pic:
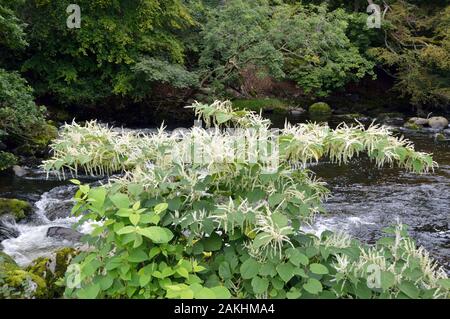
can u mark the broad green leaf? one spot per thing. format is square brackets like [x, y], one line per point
[409, 289]
[387, 280]
[285, 271]
[158, 235]
[126, 230]
[120, 200]
[221, 292]
[313, 286]
[318, 269]
[249, 268]
[134, 218]
[160, 208]
[89, 292]
[259, 285]
[212, 243]
[205, 293]
[137, 256]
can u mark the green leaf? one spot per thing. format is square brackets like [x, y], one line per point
[261, 239]
[205, 293]
[259, 285]
[158, 235]
[222, 117]
[293, 293]
[137, 256]
[387, 280]
[89, 292]
[275, 199]
[120, 200]
[160, 208]
[212, 243]
[182, 272]
[221, 292]
[285, 271]
[318, 269]
[134, 218]
[409, 289]
[98, 195]
[313, 286]
[224, 270]
[249, 268]
[444, 283]
[126, 230]
[75, 181]
[296, 257]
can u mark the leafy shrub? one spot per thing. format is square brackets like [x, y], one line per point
[21, 120]
[230, 226]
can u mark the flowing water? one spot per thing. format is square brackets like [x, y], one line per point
[365, 200]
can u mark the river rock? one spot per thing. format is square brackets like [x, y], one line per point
[19, 171]
[297, 111]
[64, 233]
[438, 122]
[418, 121]
[7, 230]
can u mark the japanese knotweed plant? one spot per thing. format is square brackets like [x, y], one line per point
[217, 212]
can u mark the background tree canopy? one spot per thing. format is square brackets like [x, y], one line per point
[125, 50]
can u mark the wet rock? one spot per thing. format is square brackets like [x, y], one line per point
[395, 119]
[439, 137]
[57, 203]
[418, 121]
[19, 171]
[412, 126]
[7, 230]
[19, 209]
[64, 233]
[297, 111]
[438, 122]
[352, 117]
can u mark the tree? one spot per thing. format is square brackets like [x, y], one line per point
[307, 44]
[114, 53]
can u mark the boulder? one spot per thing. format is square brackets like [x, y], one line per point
[438, 122]
[64, 233]
[19, 171]
[418, 121]
[296, 111]
[319, 108]
[19, 209]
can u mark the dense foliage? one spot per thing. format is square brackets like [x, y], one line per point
[21, 120]
[216, 213]
[116, 52]
[125, 50]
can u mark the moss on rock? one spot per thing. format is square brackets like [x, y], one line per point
[19, 283]
[19, 209]
[319, 108]
[7, 160]
[24, 284]
[52, 269]
[6, 262]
